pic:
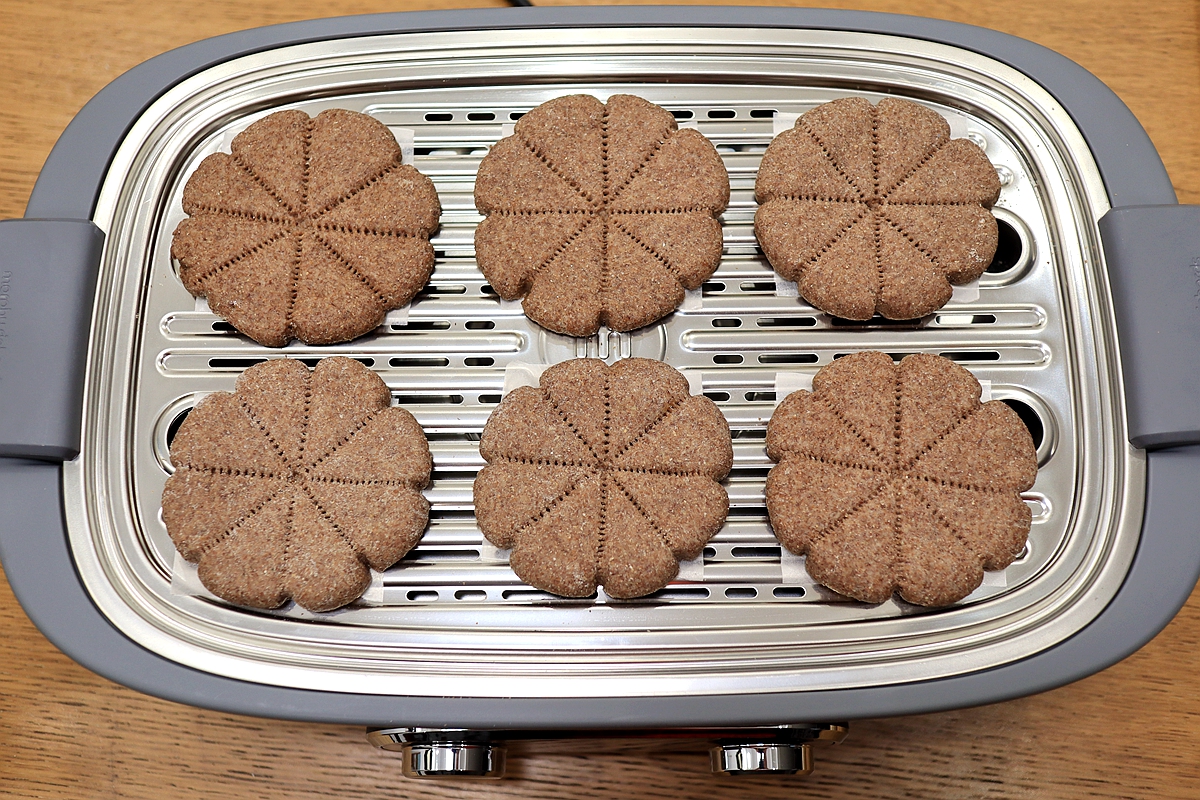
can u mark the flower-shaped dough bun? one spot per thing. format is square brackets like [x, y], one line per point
[875, 208]
[296, 483]
[603, 475]
[894, 477]
[309, 229]
[599, 213]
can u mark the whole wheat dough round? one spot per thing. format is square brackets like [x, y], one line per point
[308, 229]
[603, 476]
[297, 484]
[875, 209]
[895, 478]
[599, 213]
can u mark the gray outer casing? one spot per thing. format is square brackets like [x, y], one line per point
[38, 561]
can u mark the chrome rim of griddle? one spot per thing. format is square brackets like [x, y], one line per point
[451, 618]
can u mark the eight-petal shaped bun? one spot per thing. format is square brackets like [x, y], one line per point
[894, 477]
[603, 475]
[296, 483]
[875, 208]
[599, 213]
[309, 228]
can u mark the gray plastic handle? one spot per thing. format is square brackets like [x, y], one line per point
[47, 279]
[1153, 255]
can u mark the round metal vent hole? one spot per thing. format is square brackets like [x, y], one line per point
[763, 113]
[788, 592]
[741, 592]
[173, 428]
[717, 397]
[1009, 248]
[439, 116]
[727, 358]
[481, 116]
[682, 113]
[1031, 419]
[722, 113]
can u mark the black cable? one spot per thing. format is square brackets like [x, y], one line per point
[521, 3]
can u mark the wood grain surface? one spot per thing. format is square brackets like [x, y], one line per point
[1130, 731]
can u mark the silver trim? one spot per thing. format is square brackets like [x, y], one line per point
[1051, 335]
[769, 758]
[453, 760]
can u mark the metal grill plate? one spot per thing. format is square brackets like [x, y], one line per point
[747, 618]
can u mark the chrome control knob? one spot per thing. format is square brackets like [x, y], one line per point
[429, 753]
[453, 760]
[773, 758]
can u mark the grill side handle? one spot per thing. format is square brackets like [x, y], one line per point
[48, 273]
[1153, 256]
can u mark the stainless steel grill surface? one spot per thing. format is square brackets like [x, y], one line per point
[746, 619]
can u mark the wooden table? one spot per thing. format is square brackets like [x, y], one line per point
[1130, 731]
